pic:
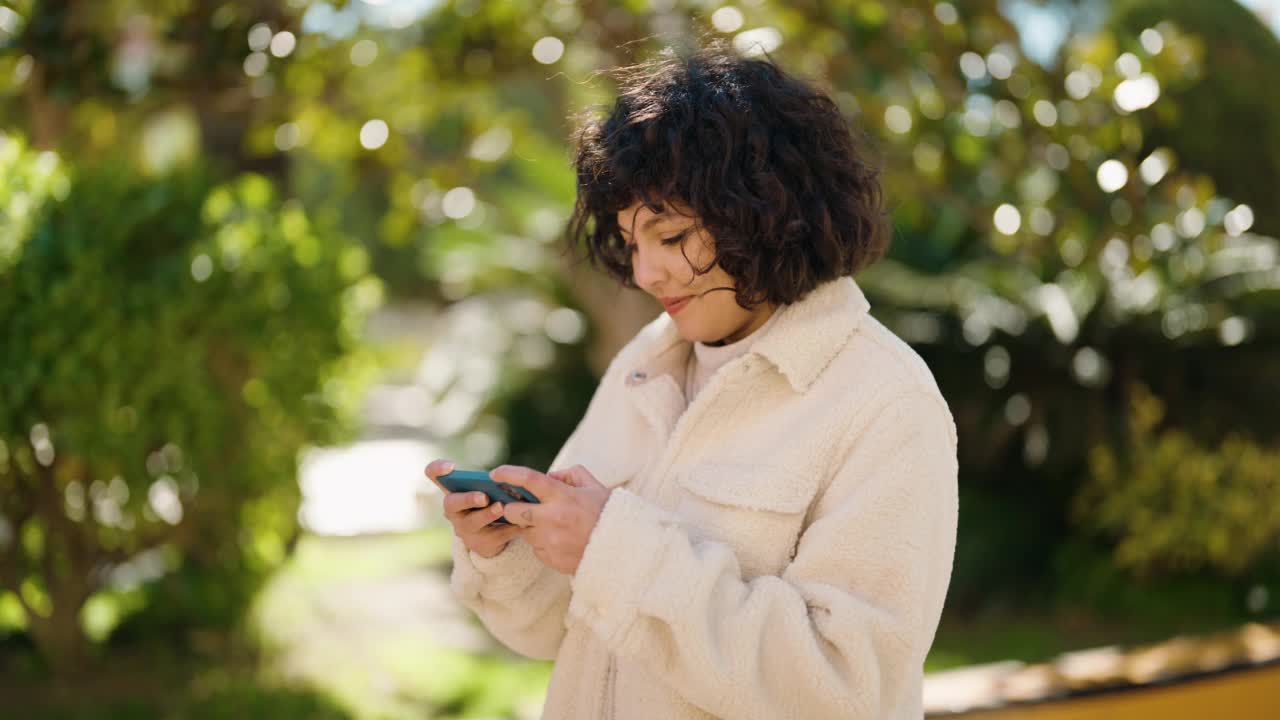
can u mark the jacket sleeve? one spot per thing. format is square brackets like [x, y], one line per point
[521, 601]
[842, 632]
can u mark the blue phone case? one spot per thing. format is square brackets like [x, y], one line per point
[473, 480]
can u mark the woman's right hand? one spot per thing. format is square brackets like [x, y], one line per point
[471, 513]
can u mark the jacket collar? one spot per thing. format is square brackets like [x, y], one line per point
[800, 344]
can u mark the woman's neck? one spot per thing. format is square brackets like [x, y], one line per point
[755, 323]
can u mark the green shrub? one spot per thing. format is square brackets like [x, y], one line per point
[167, 346]
[1174, 504]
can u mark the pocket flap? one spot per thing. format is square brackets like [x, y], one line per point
[753, 486]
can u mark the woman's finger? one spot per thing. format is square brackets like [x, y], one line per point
[502, 533]
[457, 502]
[495, 540]
[436, 468]
[542, 487]
[524, 514]
[476, 520]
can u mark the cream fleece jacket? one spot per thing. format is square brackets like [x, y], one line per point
[706, 359]
[781, 548]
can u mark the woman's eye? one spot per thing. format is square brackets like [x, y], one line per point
[631, 247]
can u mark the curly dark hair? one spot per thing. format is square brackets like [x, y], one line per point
[774, 171]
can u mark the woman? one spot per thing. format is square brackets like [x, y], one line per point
[756, 516]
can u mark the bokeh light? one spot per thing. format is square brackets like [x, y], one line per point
[363, 53]
[1007, 219]
[373, 134]
[757, 40]
[458, 203]
[548, 50]
[1112, 175]
[897, 119]
[283, 43]
[255, 64]
[259, 37]
[727, 19]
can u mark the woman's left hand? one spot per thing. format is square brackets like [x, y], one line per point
[560, 524]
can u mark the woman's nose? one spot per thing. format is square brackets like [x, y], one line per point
[645, 270]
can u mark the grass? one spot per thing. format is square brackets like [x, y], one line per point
[372, 621]
[360, 628]
[365, 628]
[1037, 634]
[156, 683]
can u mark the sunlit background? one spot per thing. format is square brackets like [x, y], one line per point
[261, 261]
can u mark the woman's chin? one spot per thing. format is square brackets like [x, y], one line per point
[686, 329]
[691, 333]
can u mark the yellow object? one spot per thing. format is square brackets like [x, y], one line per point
[1251, 693]
[1230, 674]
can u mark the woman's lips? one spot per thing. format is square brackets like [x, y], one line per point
[677, 306]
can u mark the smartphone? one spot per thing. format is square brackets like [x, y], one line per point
[473, 480]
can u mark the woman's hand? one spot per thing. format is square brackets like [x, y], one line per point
[470, 514]
[559, 526]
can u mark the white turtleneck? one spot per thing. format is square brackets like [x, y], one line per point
[706, 359]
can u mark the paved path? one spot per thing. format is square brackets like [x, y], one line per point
[391, 640]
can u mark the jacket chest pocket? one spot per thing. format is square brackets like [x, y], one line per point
[758, 510]
[612, 463]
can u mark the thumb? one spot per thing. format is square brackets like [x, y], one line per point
[564, 475]
[576, 476]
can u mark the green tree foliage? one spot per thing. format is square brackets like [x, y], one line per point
[1222, 120]
[1064, 234]
[168, 345]
[1048, 257]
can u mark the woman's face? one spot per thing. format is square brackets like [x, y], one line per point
[659, 268]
